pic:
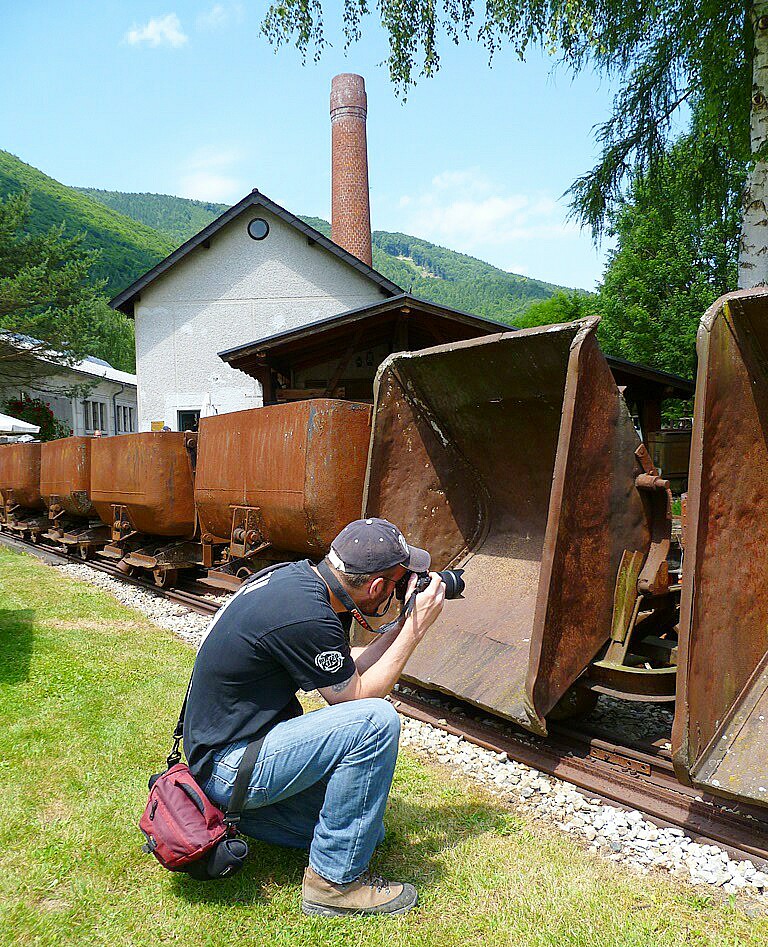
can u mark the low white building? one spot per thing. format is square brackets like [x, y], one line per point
[255, 271]
[108, 405]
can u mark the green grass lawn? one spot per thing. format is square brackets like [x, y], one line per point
[88, 693]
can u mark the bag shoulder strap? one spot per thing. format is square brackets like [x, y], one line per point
[242, 780]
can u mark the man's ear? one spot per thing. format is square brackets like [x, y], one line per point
[376, 586]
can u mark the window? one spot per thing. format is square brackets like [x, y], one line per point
[124, 419]
[258, 228]
[95, 413]
[189, 420]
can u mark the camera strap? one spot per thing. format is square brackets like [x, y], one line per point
[346, 600]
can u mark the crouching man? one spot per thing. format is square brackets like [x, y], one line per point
[320, 781]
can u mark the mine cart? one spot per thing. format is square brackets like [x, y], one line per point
[142, 489]
[278, 482]
[514, 457]
[65, 486]
[720, 733]
[20, 490]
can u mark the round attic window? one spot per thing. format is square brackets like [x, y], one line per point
[258, 228]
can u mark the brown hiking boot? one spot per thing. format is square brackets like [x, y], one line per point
[367, 895]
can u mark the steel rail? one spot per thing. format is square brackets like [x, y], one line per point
[49, 552]
[616, 774]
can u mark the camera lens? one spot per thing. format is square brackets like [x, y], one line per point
[454, 582]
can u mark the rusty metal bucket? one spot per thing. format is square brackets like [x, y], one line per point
[513, 457]
[143, 483]
[65, 476]
[287, 476]
[20, 475]
[720, 732]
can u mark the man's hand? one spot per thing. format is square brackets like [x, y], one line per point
[426, 607]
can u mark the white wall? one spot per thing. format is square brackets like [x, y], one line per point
[235, 292]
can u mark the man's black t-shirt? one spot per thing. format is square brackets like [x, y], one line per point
[277, 634]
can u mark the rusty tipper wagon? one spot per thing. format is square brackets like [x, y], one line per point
[514, 457]
[142, 489]
[278, 481]
[20, 489]
[720, 736]
[65, 486]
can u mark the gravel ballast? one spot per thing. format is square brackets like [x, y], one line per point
[622, 836]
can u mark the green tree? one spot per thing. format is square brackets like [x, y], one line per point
[49, 306]
[677, 237]
[664, 53]
[562, 307]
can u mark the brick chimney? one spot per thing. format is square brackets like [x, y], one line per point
[350, 210]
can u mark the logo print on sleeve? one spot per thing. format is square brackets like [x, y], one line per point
[329, 661]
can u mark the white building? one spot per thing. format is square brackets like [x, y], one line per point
[109, 405]
[255, 271]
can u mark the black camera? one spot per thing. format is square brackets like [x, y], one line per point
[452, 578]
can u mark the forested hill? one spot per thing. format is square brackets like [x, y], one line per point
[420, 267]
[176, 217]
[128, 248]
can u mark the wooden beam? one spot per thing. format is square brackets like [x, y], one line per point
[343, 362]
[400, 339]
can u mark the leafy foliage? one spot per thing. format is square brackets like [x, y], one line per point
[49, 303]
[176, 217]
[36, 411]
[678, 244]
[562, 307]
[677, 250]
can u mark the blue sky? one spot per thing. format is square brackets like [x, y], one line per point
[188, 98]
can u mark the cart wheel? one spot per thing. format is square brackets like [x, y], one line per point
[165, 578]
[34, 538]
[85, 553]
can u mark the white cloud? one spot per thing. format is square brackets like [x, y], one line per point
[162, 30]
[219, 16]
[466, 209]
[208, 175]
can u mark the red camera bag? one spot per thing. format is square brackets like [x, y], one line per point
[180, 823]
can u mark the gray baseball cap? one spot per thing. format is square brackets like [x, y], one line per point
[375, 545]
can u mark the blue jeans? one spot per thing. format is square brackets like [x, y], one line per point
[321, 782]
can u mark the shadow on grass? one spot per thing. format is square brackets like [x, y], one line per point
[417, 837]
[17, 635]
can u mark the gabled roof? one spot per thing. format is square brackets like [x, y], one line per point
[124, 301]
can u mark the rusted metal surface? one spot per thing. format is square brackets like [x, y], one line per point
[65, 475]
[512, 457]
[719, 736]
[150, 477]
[288, 475]
[20, 475]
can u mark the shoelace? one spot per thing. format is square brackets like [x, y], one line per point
[374, 881]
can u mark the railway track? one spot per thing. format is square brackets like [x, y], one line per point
[188, 595]
[633, 776]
